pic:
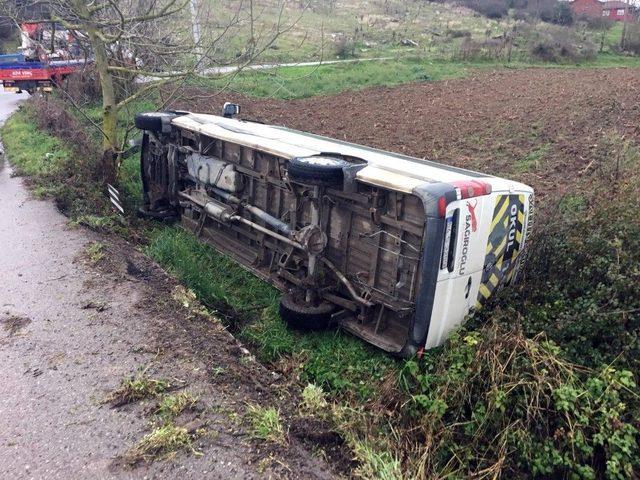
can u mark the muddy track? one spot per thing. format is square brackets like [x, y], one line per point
[540, 126]
[74, 324]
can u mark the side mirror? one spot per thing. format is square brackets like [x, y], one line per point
[229, 110]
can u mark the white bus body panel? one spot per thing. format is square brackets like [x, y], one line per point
[464, 289]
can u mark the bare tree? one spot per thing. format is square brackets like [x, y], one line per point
[140, 45]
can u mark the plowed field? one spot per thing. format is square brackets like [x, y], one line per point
[545, 127]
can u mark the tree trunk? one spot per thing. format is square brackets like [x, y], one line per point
[109, 101]
[109, 107]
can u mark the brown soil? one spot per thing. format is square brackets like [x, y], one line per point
[489, 122]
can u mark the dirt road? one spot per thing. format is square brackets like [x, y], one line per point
[72, 327]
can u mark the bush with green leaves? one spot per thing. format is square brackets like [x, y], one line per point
[582, 276]
[496, 403]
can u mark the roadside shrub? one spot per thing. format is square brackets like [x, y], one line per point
[344, 47]
[520, 14]
[495, 403]
[582, 276]
[596, 23]
[57, 166]
[542, 9]
[546, 384]
[559, 44]
[491, 49]
[547, 51]
[489, 8]
[53, 117]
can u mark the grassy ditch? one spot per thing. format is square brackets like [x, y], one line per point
[35, 154]
[58, 169]
[249, 307]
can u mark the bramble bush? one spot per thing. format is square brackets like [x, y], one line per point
[582, 276]
[545, 383]
[496, 403]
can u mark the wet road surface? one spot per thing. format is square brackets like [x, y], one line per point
[55, 359]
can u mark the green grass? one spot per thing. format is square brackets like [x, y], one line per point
[309, 81]
[375, 463]
[265, 423]
[334, 360]
[614, 34]
[170, 406]
[533, 160]
[33, 152]
[95, 252]
[136, 388]
[314, 400]
[162, 442]
[56, 171]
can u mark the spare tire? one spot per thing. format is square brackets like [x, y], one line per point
[156, 122]
[301, 315]
[318, 170]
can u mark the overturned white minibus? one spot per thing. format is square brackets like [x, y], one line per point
[394, 249]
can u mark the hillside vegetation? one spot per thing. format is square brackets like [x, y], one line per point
[506, 30]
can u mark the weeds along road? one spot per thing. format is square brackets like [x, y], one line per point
[71, 331]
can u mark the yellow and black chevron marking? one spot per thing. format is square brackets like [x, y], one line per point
[503, 246]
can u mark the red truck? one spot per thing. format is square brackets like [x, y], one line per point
[48, 54]
[18, 75]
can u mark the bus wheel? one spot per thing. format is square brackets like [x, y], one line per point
[305, 316]
[156, 122]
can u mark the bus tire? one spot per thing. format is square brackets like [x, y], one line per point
[156, 122]
[167, 215]
[305, 316]
[318, 171]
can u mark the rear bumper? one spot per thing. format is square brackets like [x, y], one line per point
[433, 238]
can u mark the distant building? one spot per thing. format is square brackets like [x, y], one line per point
[615, 10]
[619, 11]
